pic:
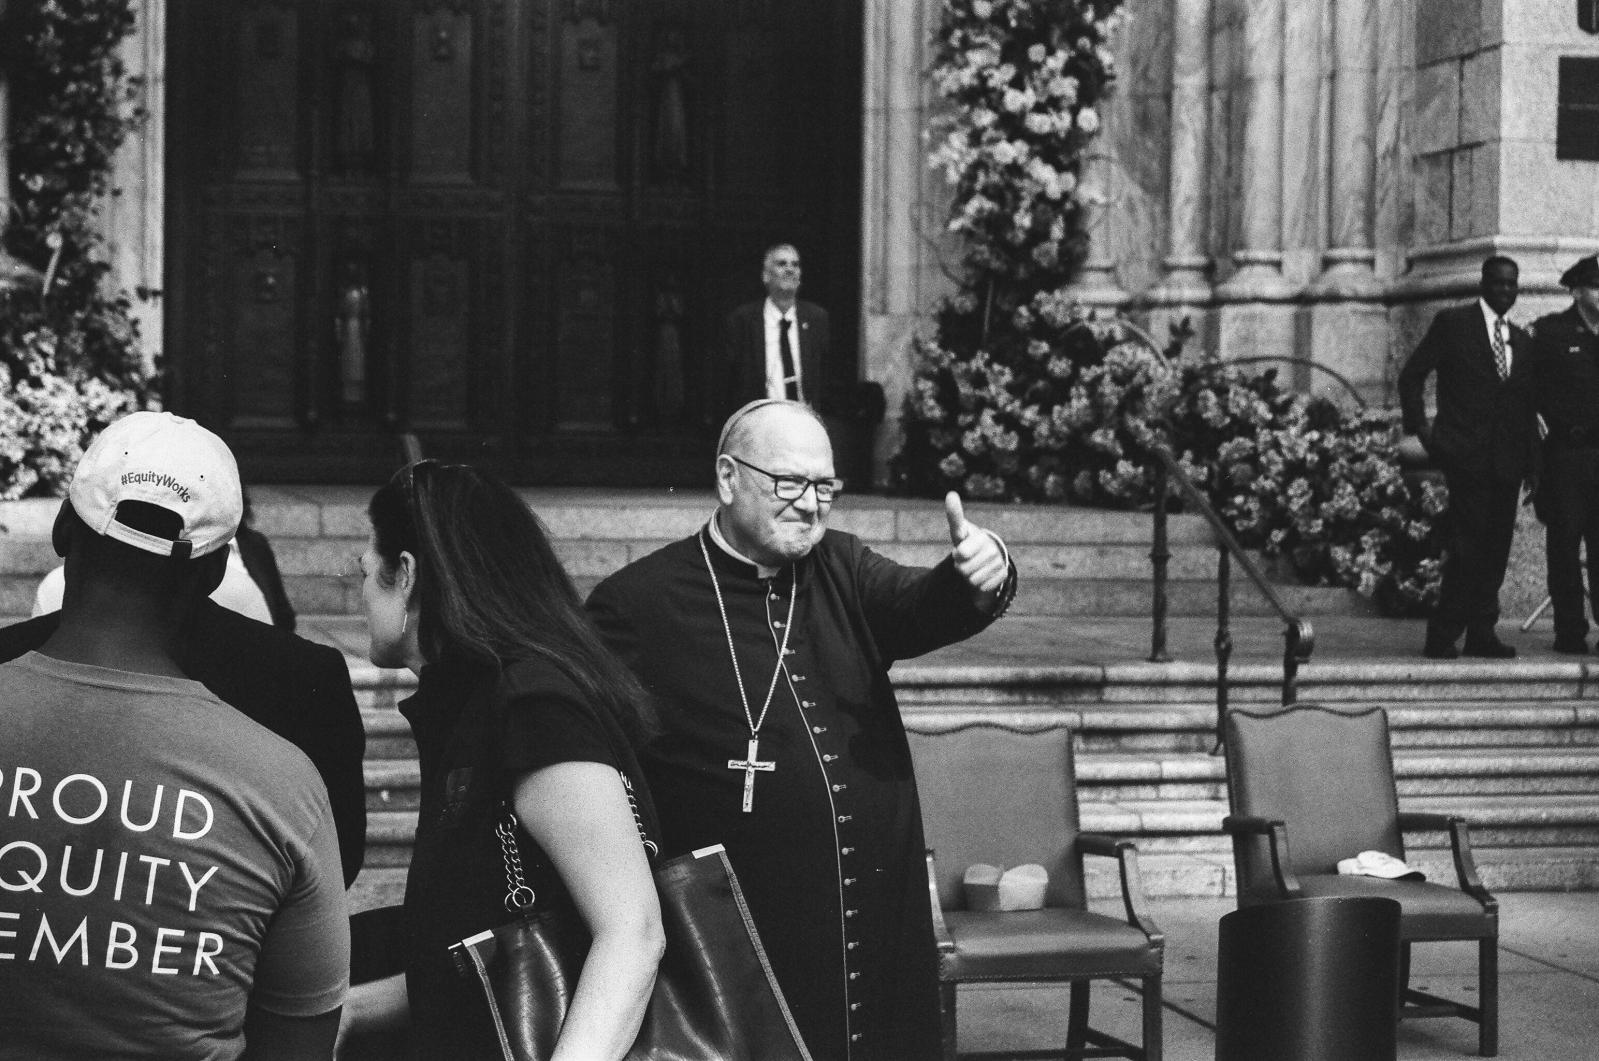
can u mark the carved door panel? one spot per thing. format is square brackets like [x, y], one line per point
[511, 228]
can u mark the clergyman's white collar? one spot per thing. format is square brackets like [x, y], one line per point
[727, 547]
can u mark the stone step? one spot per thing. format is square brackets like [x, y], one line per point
[1072, 561]
[1204, 874]
[1134, 818]
[392, 783]
[1173, 875]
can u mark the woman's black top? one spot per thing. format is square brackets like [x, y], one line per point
[476, 731]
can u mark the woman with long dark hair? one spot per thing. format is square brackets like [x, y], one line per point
[517, 701]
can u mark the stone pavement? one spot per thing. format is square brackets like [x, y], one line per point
[1548, 987]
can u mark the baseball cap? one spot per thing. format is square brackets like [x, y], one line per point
[1378, 864]
[167, 461]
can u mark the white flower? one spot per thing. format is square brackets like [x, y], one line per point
[1003, 153]
[1065, 88]
[1088, 120]
[982, 8]
[982, 117]
[1036, 53]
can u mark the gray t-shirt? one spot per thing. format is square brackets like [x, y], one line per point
[164, 862]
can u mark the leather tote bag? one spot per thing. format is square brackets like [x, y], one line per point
[715, 996]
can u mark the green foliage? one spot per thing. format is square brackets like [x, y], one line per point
[69, 356]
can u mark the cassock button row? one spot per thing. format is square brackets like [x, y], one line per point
[851, 913]
[842, 818]
[856, 1037]
[777, 623]
[848, 881]
[846, 850]
[854, 976]
[840, 787]
[829, 757]
[851, 945]
[818, 729]
[853, 1006]
[807, 703]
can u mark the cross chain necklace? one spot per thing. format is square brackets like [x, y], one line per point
[751, 763]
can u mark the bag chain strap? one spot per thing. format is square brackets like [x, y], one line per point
[518, 896]
[638, 820]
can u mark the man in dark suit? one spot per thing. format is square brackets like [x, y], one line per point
[295, 688]
[1565, 382]
[1484, 439]
[777, 347]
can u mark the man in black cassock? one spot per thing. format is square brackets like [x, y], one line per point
[766, 640]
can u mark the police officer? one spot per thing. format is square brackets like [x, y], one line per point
[1565, 370]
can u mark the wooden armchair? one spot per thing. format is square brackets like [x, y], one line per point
[1325, 779]
[1008, 796]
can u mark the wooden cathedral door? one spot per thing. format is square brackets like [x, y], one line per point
[511, 228]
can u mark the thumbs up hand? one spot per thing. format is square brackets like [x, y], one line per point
[977, 555]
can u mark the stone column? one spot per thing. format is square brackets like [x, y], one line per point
[1096, 286]
[134, 217]
[902, 205]
[1348, 261]
[14, 274]
[1255, 317]
[1184, 290]
[1348, 322]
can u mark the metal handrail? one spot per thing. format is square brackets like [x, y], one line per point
[1298, 635]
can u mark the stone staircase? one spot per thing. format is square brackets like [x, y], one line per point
[1513, 750]
[1072, 561]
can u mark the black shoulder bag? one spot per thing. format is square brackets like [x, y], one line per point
[715, 997]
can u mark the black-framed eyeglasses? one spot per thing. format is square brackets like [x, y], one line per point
[793, 487]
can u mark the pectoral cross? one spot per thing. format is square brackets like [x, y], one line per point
[749, 764]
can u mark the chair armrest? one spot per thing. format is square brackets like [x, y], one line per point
[1276, 834]
[1424, 819]
[941, 936]
[1460, 846]
[1247, 825]
[1125, 852]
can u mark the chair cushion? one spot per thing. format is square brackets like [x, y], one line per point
[1051, 944]
[1428, 911]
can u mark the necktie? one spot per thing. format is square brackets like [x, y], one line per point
[1499, 348]
[786, 350]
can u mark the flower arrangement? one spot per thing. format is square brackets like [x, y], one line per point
[1296, 477]
[69, 354]
[1023, 78]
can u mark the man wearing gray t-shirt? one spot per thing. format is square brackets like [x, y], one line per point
[169, 870]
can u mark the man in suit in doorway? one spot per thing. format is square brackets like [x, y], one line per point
[777, 347]
[1484, 439]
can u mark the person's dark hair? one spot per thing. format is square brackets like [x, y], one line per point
[1494, 261]
[491, 589]
[109, 561]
